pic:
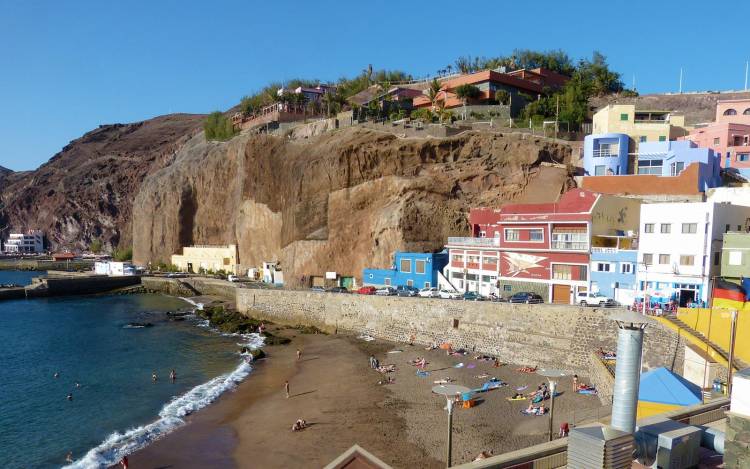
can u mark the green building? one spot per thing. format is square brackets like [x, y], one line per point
[735, 256]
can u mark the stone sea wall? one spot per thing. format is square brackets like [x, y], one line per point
[552, 336]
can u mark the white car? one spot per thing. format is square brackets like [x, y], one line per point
[385, 291]
[594, 299]
[449, 294]
[429, 292]
[233, 278]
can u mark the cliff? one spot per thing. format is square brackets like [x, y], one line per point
[86, 190]
[340, 201]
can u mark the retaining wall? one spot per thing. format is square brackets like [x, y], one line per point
[553, 336]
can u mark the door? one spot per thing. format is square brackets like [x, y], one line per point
[686, 297]
[347, 282]
[561, 294]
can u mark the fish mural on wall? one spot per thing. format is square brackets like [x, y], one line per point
[521, 263]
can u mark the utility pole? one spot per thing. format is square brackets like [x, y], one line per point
[680, 80]
[746, 65]
[732, 336]
[557, 114]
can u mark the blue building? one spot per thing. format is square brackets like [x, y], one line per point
[605, 154]
[671, 158]
[413, 269]
[614, 266]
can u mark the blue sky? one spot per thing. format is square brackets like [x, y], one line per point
[67, 67]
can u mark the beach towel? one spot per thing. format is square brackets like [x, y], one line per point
[522, 388]
[395, 351]
[471, 365]
[422, 374]
[458, 365]
[522, 398]
[532, 413]
[482, 376]
[587, 391]
[366, 338]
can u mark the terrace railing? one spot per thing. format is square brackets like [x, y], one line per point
[479, 242]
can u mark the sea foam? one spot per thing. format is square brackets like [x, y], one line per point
[171, 416]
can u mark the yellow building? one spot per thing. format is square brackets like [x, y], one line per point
[204, 258]
[639, 125]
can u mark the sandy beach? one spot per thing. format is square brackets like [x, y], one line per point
[333, 389]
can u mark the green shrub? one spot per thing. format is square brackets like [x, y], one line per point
[122, 254]
[218, 127]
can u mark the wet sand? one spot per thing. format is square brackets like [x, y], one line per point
[334, 390]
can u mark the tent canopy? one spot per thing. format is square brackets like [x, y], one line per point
[664, 387]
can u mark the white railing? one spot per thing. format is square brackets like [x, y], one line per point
[604, 250]
[467, 241]
[570, 245]
[606, 154]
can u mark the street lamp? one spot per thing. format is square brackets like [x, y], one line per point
[552, 387]
[449, 391]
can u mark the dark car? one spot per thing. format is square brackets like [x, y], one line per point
[338, 290]
[526, 297]
[405, 290]
[472, 296]
[318, 289]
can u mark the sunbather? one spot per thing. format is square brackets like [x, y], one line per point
[527, 369]
[299, 425]
[518, 395]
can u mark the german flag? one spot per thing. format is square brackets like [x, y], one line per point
[728, 295]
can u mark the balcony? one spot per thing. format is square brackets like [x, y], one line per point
[570, 245]
[605, 153]
[478, 242]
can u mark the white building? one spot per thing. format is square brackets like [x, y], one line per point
[114, 269]
[680, 246]
[208, 258]
[30, 242]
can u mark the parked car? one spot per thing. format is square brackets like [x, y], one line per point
[177, 275]
[429, 292]
[472, 296]
[385, 291]
[405, 290]
[368, 290]
[449, 294]
[338, 290]
[594, 299]
[318, 289]
[233, 278]
[526, 297]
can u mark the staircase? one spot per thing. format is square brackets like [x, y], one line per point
[736, 363]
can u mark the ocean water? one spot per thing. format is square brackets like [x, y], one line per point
[19, 277]
[117, 408]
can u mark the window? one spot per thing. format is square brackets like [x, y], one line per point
[387, 282]
[507, 288]
[746, 112]
[676, 168]
[623, 117]
[486, 279]
[730, 112]
[666, 228]
[427, 285]
[735, 257]
[562, 272]
[689, 228]
[626, 268]
[457, 258]
[726, 228]
[472, 259]
[406, 266]
[471, 277]
[419, 266]
[687, 260]
[603, 266]
[663, 259]
[648, 228]
[482, 234]
[410, 283]
[717, 258]
[744, 157]
[662, 138]
[642, 138]
[456, 274]
[717, 141]
[490, 260]
[569, 238]
[600, 170]
[536, 235]
[512, 235]
[650, 166]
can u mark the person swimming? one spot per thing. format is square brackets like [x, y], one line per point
[154, 377]
[56, 375]
[69, 457]
[70, 396]
[78, 385]
[172, 375]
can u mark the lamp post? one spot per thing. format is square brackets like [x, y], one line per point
[552, 386]
[449, 391]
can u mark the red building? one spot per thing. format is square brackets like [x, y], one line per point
[543, 248]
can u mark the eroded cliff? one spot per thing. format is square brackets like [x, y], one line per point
[339, 202]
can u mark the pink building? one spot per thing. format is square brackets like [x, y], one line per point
[729, 135]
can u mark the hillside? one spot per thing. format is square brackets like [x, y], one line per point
[86, 190]
[341, 201]
[697, 107]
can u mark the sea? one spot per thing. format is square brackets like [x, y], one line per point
[104, 355]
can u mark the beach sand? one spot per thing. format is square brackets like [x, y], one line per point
[333, 389]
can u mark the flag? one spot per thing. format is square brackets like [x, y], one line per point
[728, 295]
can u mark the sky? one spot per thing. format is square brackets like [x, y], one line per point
[67, 67]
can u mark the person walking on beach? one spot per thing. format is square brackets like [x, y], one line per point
[299, 354]
[124, 462]
[286, 389]
[372, 361]
[575, 383]
[172, 375]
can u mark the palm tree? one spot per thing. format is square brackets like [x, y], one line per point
[449, 67]
[432, 92]
[465, 92]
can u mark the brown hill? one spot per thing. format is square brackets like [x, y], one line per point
[86, 190]
[340, 201]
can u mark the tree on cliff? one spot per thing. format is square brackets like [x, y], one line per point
[466, 92]
[218, 127]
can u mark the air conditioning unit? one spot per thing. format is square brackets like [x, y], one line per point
[668, 444]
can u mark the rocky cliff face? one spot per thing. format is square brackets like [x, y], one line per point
[86, 190]
[340, 201]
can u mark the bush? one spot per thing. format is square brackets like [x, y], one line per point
[218, 127]
[95, 246]
[502, 97]
[122, 255]
[422, 113]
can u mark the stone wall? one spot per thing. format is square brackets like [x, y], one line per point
[737, 444]
[553, 336]
[602, 378]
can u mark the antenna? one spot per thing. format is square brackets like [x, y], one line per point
[680, 80]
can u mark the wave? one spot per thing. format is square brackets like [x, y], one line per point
[171, 416]
[197, 305]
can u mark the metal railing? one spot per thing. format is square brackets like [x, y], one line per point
[605, 154]
[485, 242]
[570, 245]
